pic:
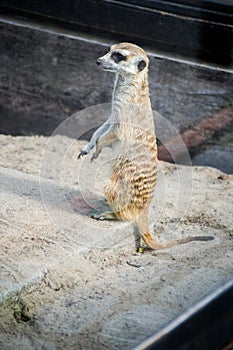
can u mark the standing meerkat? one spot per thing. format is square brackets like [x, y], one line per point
[130, 188]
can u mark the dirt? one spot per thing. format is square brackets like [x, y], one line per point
[71, 282]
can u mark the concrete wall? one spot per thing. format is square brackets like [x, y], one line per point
[47, 75]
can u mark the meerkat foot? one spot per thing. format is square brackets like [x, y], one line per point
[140, 249]
[108, 215]
[138, 246]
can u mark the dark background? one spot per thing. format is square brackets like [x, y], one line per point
[197, 29]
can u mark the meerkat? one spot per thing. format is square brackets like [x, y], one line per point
[131, 186]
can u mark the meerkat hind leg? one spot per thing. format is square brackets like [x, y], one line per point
[108, 215]
[137, 237]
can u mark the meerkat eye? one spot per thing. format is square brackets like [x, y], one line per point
[117, 57]
[141, 65]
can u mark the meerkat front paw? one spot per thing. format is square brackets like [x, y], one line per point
[82, 154]
[95, 155]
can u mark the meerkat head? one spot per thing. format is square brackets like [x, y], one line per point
[125, 59]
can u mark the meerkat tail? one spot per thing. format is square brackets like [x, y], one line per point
[149, 240]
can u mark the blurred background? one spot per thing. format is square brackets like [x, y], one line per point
[48, 71]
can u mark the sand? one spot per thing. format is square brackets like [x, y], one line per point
[70, 282]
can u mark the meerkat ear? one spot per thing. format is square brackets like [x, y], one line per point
[141, 65]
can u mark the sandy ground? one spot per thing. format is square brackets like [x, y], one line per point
[69, 282]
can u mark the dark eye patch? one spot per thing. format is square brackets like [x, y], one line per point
[117, 57]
